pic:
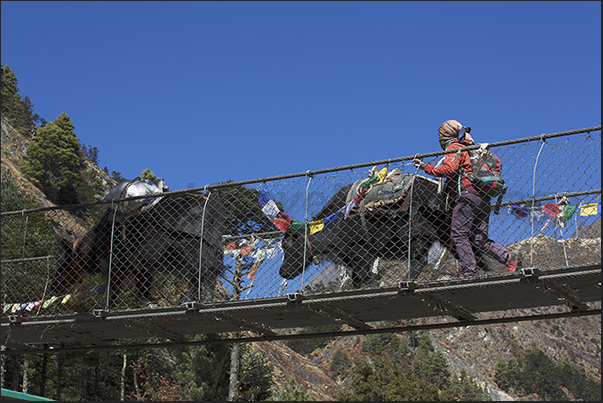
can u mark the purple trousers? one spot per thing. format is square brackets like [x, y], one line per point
[470, 225]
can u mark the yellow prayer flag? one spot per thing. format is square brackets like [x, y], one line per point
[383, 173]
[589, 209]
[316, 226]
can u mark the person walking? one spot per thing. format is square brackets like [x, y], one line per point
[470, 207]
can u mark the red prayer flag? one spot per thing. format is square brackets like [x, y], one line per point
[245, 249]
[551, 209]
[282, 221]
[252, 273]
[359, 197]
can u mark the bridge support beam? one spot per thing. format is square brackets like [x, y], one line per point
[258, 328]
[551, 286]
[446, 307]
[156, 330]
[338, 315]
[75, 336]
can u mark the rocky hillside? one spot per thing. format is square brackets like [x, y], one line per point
[474, 349]
[14, 146]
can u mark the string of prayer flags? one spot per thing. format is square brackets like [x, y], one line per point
[29, 306]
[272, 212]
[558, 213]
[284, 222]
[589, 209]
[241, 247]
[251, 248]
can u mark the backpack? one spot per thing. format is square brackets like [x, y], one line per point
[487, 174]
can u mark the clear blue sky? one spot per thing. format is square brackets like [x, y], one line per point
[202, 92]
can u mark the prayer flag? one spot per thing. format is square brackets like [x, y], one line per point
[252, 272]
[49, 302]
[298, 227]
[518, 212]
[264, 196]
[537, 214]
[316, 226]
[359, 197]
[551, 209]
[367, 184]
[347, 209]
[282, 221]
[245, 249]
[328, 220]
[383, 173]
[566, 213]
[354, 202]
[589, 209]
[270, 210]
[259, 259]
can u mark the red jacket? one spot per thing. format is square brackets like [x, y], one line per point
[453, 165]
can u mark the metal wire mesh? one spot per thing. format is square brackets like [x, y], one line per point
[239, 240]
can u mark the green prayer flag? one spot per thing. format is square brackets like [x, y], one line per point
[297, 227]
[566, 213]
[369, 182]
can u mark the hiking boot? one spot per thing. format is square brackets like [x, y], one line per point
[514, 261]
[468, 274]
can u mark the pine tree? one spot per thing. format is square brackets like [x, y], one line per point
[292, 392]
[539, 377]
[386, 343]
[256, 373]
[384, 379]
[465, 388]
[54, 159]
[575, 379]
[502, 375]
[202, 370]
[147, 174]
[244, 213]
[429, 364]
[23, 236]
[18, 112]
[340, 364]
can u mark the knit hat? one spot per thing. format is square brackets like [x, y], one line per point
[450, 128]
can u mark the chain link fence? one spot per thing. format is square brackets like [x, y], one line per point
[357, 227]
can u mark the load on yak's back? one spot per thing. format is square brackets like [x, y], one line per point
[135, 188]
[179, 234]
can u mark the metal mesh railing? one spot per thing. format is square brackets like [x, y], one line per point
[301, 233]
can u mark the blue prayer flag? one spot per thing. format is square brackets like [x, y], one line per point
[264, 196]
